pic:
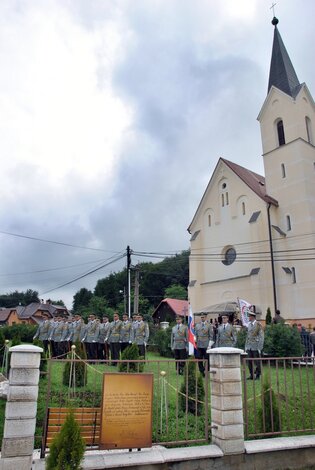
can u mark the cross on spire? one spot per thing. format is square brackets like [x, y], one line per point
[273, 8]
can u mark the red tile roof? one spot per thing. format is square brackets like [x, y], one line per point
[179, 307]
[5, 313]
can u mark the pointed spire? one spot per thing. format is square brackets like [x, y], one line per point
[282, 74]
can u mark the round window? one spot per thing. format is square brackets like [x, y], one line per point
[229, 256]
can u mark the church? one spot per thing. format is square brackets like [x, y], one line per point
[253, 236]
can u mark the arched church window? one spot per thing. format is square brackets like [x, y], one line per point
[222, 199]
[227, 199]
[209, 220]
[280, 131]
[309, 129]
[243, 208]
[283, 170]
[288, 223]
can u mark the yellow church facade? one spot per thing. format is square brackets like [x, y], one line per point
[253, 236]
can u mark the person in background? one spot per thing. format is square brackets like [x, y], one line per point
[141, 335]
[179, 344]
[113, 338]
[226, 336]
[312, 338]
[103, 348]
[42, 333]
[254, 345]
[90, 338]
[278, 319]
[125, 333]
[203, 333]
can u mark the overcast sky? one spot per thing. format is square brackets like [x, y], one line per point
[113, 115]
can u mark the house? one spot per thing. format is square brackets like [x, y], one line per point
[168, 309]
[253, 236]
[32, 314]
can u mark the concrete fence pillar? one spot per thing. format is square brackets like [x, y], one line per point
[226, 400]
[20, 412]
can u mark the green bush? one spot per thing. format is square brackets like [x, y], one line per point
[191, 399]
[131, 353]
[268, 414]
[67, 448]
[268, 317]
[163, 342]
[241, 338]
[282, 341]
[80, 369]
[24, 331]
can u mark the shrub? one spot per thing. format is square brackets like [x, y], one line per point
[282, 341]
[192, 390]
[269, 412]
[67, 448]
[163, 342]
[131, 353]
[24, 331]
[241, 338]
[268, 317]
[80, 369]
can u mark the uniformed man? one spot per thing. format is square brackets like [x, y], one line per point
[226, 336]
[91, 337]
[52, 325]
[125, 333]
[42, 333]
[203, 333]
[78, 329]
[141, 335]
[113, 338]
[103, 348]
[57, 335]
[254, 345]
[179, 344]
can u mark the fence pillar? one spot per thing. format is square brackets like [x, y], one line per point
[226, 400]
[20, 412]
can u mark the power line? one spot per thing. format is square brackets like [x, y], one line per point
[55, 242]
[84, 275]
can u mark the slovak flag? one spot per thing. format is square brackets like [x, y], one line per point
[244, 309]
[191, 333]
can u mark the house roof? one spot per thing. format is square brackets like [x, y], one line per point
[4, 314]
[179, 307]
[282, 74]
[253, 180]
[29, 310]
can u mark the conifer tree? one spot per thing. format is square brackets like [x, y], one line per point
[131, 353]
[80, 369]
[268, 316]
[67, 448]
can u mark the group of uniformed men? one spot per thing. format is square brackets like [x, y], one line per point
[102, 340]
[224, 336]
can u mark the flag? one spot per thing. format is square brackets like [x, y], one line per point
[191, 333]
[244, 309]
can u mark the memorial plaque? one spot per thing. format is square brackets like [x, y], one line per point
[126, 413]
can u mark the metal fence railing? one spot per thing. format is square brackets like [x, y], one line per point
[181, 402]
[282, 400]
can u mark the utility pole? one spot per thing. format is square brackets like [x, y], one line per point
[136, 292]
[128, 281]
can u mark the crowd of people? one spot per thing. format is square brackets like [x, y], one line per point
[102, 340]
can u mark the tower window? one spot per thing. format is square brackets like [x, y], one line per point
[222, 199]
[288, 223]
[209, 220]
[293, 275]
[243, 208]
[280, 130]
[283, 170]
[227, 198]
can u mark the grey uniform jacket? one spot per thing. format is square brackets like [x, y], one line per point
[203, 333]
[104, 328]
[255, 337]
[226, 336]
[126, 332]
[141, 333]
[114, 332]
[58, 332]
[42, 332]
[179, 337]
[78, 331]
[92, 332]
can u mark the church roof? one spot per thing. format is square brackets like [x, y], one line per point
[282, 74]
[253, 180]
